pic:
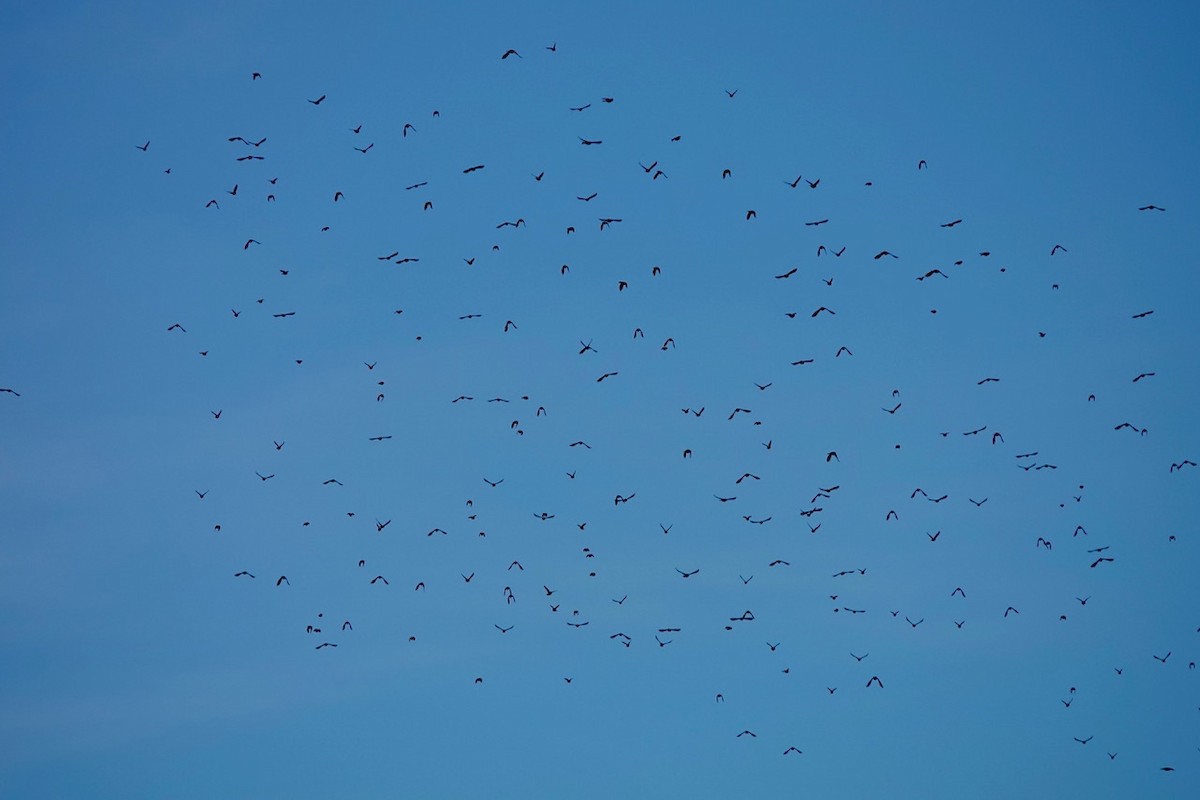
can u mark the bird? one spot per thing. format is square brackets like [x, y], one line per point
[1151, 208]
[318, 101]
[510, 52]
[143, 147]
[687, 574]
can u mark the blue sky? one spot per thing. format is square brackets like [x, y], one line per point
[135, 663]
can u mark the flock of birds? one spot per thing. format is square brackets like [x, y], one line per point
[506, 581]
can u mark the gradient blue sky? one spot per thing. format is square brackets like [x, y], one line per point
[134, 663]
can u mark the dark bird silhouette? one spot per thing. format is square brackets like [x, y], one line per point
[510, 52]
[875, 679]
[589, 142]
[687, 574]
[244, 574]
[475, 168]
[951, 224]
[143, 147]
[318, 101]
[1151, 208]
